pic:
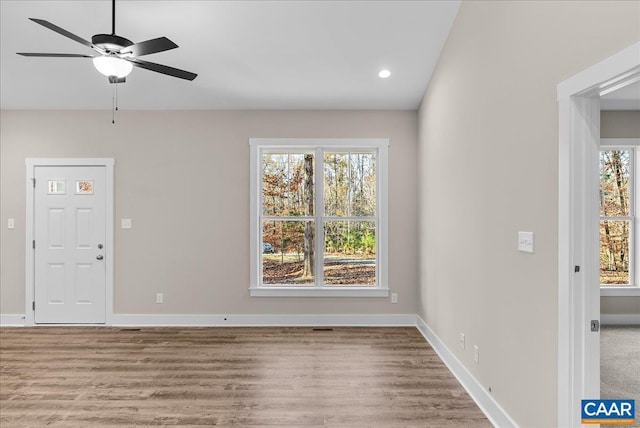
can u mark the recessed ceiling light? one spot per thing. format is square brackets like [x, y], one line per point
[384, 74]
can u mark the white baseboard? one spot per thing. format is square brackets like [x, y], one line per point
[263, 320]
[486, 402]
[214, 320]
[620, 319]
[11, 320]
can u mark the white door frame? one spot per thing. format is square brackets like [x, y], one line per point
[579, 141]
[30, 218]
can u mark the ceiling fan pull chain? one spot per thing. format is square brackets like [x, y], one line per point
[113, 105]
[114, 101]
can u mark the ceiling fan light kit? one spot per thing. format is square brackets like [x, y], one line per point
[116, 55]
[111, 65]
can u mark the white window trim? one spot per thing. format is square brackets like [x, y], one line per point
[382, 288]
[628, 290]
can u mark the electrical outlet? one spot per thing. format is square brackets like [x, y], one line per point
[461, 340]
[394, 297]
[476, 354]
[125, 223]
[159, 298]
[11, 224]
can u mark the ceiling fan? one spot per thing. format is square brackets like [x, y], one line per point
[116, 55]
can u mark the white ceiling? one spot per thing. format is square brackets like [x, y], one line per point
[248, 54]
[626, 98]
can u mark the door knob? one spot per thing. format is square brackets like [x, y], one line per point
[100, 257]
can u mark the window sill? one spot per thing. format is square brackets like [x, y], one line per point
[619, 291]
[318, 292]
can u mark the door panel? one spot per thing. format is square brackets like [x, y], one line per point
[84, 227]
[70, 223]
[56, 228]
[55, 283]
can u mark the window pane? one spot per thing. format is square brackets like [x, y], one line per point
[614, 252]
[287, 184]
[614, 182]
[349, 253]
[287, 252]
[56, 187]
[84, 187]
[349, 184]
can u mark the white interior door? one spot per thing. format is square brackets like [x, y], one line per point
[70, 232]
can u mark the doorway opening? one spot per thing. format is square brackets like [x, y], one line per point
[578, 267]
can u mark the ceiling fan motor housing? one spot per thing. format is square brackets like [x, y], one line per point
[110, 42]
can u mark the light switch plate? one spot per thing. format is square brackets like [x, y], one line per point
[525, 242]
[11, 224]
[125, 223]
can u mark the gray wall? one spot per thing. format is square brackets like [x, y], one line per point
[488, 168]
[620, 124]
[183, 177]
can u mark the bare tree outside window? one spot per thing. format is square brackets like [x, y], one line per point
[616, 216]
[287, 200]
[291, 223]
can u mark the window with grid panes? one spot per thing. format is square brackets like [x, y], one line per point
[618, 223]
[318, 218]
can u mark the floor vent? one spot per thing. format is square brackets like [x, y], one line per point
[322, 329]
[129, 329]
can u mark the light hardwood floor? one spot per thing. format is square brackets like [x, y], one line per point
[300, 377]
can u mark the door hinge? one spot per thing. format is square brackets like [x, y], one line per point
[34, 182]
[595, 325]
[33, 305]
[34, 244]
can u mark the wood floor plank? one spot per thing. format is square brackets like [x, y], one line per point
[244, 377]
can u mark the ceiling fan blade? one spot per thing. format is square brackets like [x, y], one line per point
[150, 46]
[164, 69]
[62, 31]
[54, 55]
